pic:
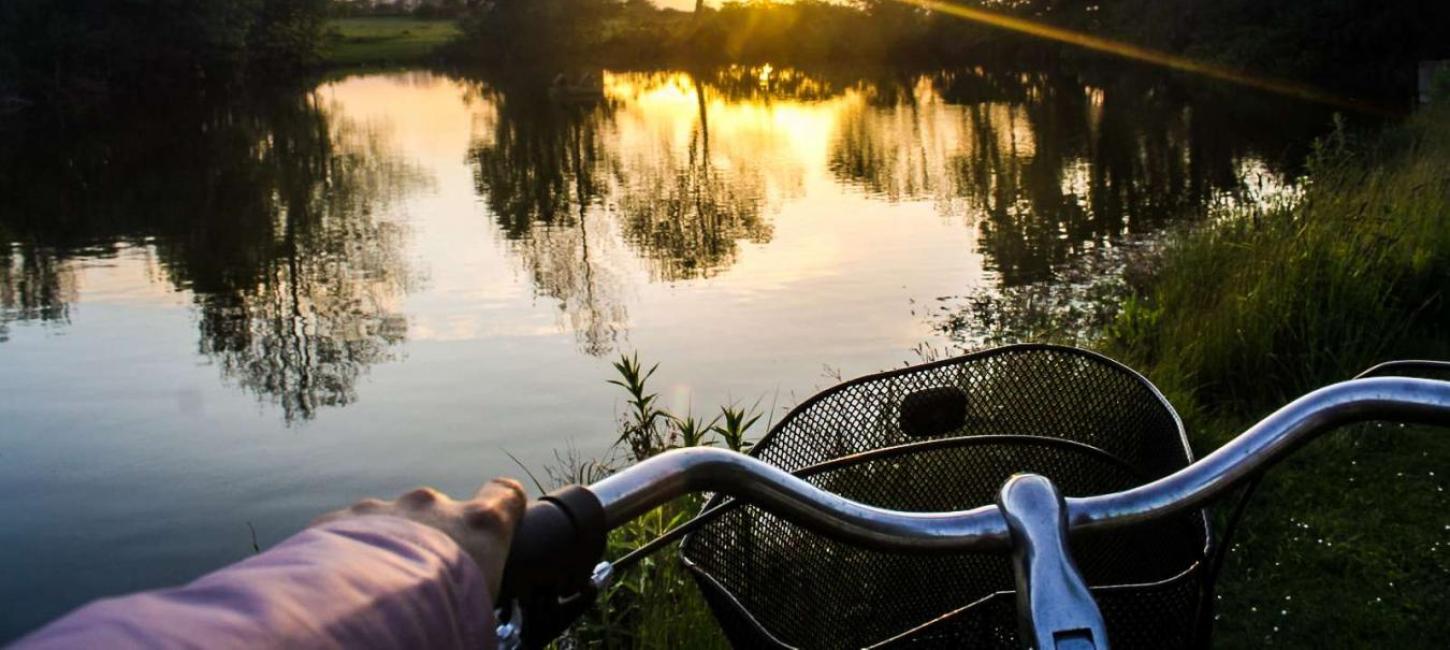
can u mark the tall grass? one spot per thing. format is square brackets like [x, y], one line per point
[1267, 303]
[654, 603]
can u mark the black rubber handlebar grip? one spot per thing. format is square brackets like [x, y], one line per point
[555, 548]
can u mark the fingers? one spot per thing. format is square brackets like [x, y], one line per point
[422, 497]
[483, 522]
[502, 485]
[498, 506]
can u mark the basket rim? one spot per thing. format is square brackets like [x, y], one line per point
[974, 356]
[907, 448]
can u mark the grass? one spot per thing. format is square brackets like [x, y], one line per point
[1267, 303]
[1346, 544]
[385, 40]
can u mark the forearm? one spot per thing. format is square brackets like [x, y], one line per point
[374, 582]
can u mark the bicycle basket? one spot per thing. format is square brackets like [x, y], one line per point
[945, 436]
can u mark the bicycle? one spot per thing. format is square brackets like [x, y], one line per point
[1129, 558]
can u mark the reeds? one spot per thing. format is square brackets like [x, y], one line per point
[654, 603]
[1268, 302]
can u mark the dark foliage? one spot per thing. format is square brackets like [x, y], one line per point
[1350, 42]
[1347, 43]
[83, 51]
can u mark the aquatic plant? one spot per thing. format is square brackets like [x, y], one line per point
[654, 603]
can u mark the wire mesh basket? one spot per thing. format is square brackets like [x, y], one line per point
[945, 436]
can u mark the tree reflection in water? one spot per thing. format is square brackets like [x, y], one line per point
[274, 212]
[35, 284]
[542, 176]
[563, 188]
[268, 213]
[683, 213]
[1048, 165]
[324, 307]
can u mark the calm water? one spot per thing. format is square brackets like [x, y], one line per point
[215, 320]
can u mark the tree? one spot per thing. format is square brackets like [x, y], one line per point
[81, 51]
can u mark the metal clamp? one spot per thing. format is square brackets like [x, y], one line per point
[511, 632]
[1055, 610]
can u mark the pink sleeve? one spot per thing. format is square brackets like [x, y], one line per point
[369, 582]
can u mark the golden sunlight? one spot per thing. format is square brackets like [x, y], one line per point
[1149, 55]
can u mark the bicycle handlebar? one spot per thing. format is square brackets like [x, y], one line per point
[1393, 399]
[543, 538]
[657, 480]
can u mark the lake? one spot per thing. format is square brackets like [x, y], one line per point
[219, 319]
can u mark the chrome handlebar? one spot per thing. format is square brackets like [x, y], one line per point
[563, 534]
[655, 481]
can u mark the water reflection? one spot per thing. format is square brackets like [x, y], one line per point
[35, 284]
[539, 170]
[1047, 165]
[269, 214]
[323, 307]
[681, 209]
[565, 180]
[283, 216]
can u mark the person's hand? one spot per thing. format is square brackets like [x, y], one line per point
[482, 526]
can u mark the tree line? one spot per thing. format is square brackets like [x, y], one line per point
[82, 51]
[1347, 42]
[415, 8]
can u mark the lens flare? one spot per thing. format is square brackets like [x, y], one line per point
[1149, 55]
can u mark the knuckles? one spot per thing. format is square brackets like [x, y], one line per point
[485, 517]
[498, 507]
[421, 497]
[515, 488]
[369, 505]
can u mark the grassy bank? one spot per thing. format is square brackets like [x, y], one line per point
[1346, 544]
[1267, 303]
[385, 40]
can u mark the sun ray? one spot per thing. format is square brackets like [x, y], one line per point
[1148, 55]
